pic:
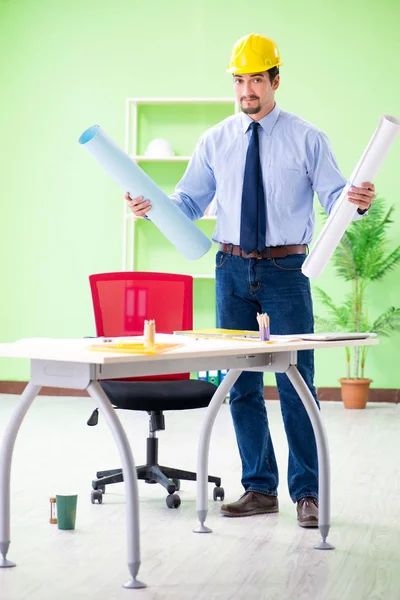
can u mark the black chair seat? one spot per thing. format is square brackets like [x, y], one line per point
[159, 395]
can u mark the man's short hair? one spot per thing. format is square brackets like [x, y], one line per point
[273, 73]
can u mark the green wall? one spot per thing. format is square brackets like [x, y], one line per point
[64, 67]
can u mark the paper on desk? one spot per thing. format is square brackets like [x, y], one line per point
[217, 332]
[336, 337]
[344, 211]
[165, 214]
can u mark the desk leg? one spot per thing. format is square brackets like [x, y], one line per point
[7, 447]
[204, 446]
[324, 484]
[130, 479]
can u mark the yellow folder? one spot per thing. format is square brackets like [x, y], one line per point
[133, 348]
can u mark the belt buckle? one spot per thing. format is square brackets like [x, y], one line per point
[259, 255]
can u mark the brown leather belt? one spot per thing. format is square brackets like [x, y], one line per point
[269, 252]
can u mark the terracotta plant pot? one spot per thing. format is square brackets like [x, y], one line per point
[355, 392]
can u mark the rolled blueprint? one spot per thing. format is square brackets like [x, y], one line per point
[344, 211]
[165, 214]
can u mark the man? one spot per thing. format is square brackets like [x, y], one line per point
[264, 165]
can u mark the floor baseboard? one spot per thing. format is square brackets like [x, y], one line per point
[17, 387]
[332, 394]
[325, 394]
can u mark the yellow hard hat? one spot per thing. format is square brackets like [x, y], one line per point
[254, 53]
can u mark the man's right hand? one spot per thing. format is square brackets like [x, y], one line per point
[139, 206]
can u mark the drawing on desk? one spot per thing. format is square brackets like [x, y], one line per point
[220, 333]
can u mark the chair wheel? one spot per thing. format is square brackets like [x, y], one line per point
[99, 486]
[218, 493]
[173, 501]
[177, 484]
[96, 495]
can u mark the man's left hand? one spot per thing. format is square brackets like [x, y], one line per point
[362, 196]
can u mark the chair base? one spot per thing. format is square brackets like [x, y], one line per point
[152, 472]
[168, 477]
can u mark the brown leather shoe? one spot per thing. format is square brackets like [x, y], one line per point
[307, 512]
[251, 503]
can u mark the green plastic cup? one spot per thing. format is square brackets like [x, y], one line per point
[66, 511]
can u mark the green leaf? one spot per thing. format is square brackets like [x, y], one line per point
[362, 256]
[387, 323]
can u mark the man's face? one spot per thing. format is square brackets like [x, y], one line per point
[255, 93]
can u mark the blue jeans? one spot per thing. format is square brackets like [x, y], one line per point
[277, 287]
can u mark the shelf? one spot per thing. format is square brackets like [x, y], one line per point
[143, 158]
[130, 215]
[199, 275]
[182, 100]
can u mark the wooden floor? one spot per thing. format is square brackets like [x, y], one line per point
[267, 557]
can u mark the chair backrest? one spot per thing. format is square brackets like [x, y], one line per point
[123, 300]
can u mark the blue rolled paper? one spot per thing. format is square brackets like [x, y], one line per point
[165, 214]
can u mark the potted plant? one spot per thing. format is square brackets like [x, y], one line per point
[362, 257]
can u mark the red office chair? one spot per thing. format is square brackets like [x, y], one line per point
[121, 302]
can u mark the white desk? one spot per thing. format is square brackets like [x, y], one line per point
[66, 363]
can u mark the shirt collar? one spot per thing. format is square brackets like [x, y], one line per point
[267, 122]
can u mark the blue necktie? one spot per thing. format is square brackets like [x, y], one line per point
[253, 215]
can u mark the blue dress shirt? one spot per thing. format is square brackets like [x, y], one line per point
[296, 161]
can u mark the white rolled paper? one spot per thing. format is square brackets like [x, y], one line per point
[165, 214]
[344, 211]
